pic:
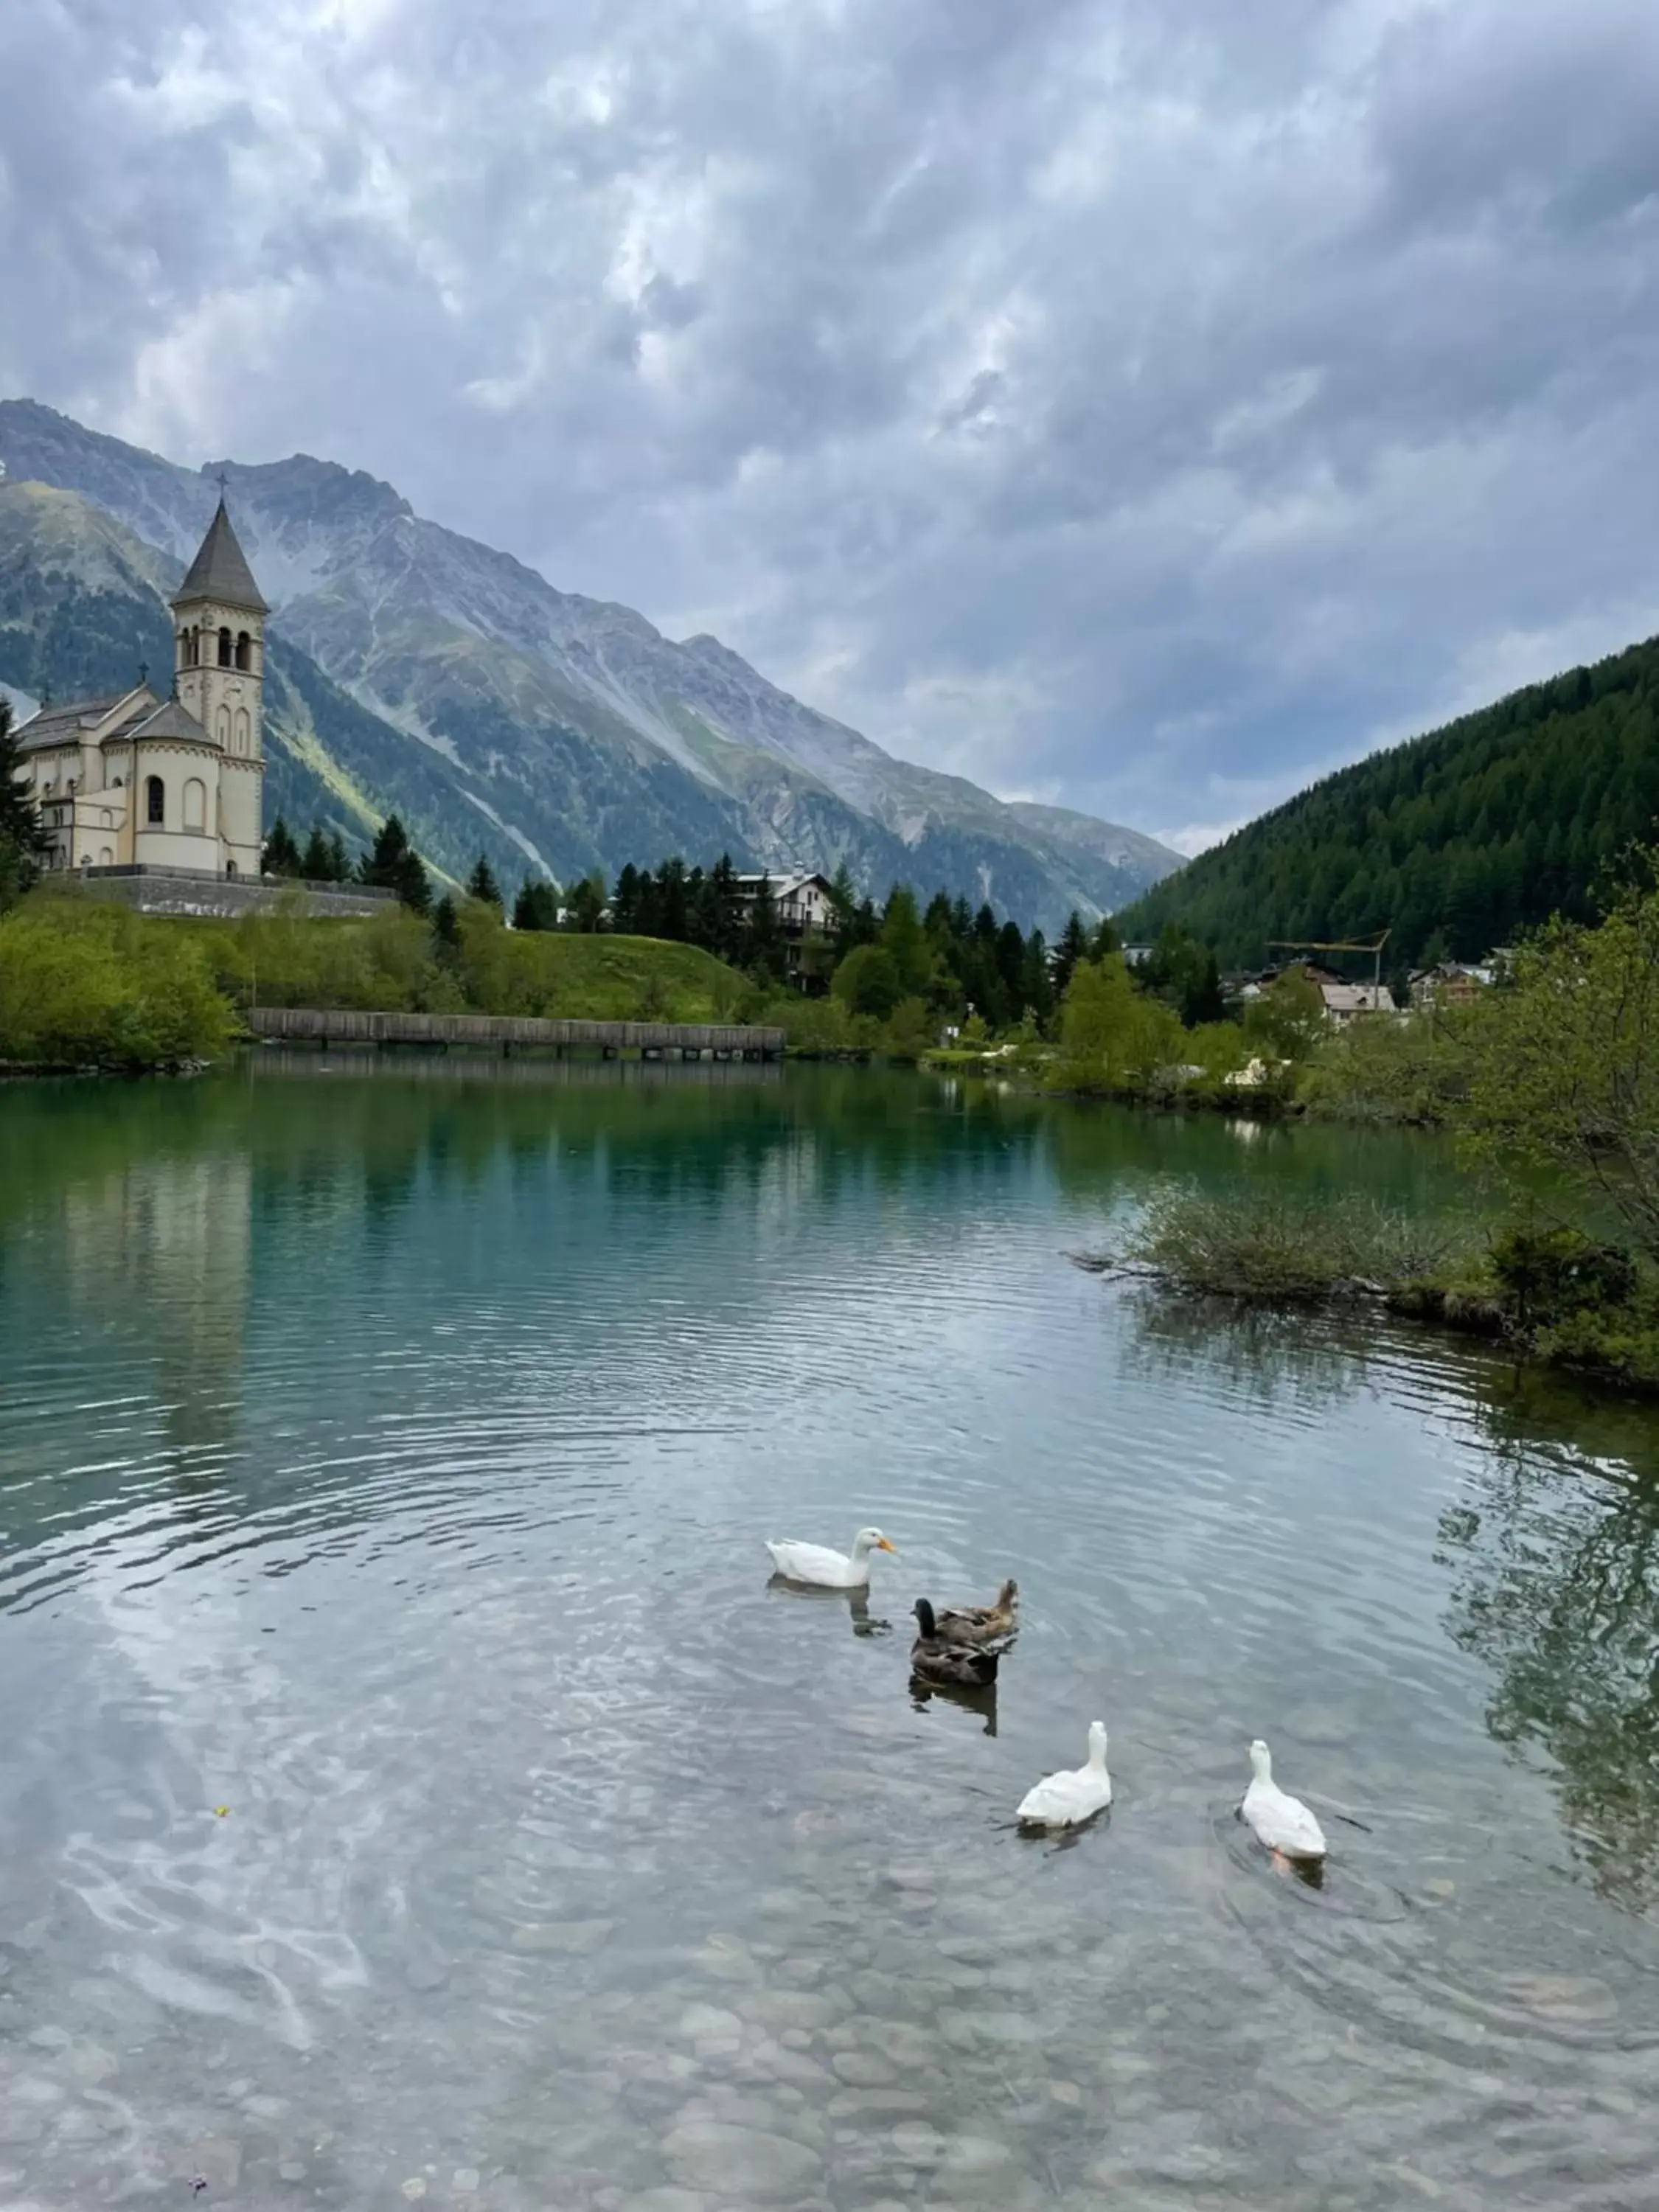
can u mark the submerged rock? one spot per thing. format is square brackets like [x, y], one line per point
[721, 2157]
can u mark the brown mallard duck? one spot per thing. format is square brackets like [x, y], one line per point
[982, 1624]
[935, 1659]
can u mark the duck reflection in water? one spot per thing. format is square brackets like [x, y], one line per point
[980, 1700]
[856, 1603]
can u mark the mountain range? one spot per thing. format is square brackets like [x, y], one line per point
[415, 671]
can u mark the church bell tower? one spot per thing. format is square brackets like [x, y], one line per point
[219, 667]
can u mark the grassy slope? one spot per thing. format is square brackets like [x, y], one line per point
[386, 964]
[608, 978]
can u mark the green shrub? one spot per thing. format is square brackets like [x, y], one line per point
[816, 1025]
[1381, 1070]
[868, 981]
[910, 1030]
[86, 985]
[1550, 1275]
[1297, 1250]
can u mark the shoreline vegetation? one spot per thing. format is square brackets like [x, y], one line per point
[1549, 1295]
[1549, 1085]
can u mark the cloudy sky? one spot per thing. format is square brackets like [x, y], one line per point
[1145, 404]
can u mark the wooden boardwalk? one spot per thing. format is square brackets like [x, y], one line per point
[509, 1033]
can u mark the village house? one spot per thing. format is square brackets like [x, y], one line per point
[803, 903]
[1347, 1002]
[1449, 983]
[805, 909]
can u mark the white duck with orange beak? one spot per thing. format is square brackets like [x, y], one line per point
[1282, 1822]
[826, 1570]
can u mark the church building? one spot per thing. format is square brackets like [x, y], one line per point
[135, 780]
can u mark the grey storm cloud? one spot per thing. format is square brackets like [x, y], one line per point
[1146, 407]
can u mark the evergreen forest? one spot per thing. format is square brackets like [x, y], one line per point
[1455, 842]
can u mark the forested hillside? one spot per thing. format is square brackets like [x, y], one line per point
[1454, 841]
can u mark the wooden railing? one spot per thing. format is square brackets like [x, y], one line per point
[501, 1032]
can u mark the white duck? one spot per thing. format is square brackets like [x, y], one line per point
[1067, 1799]
[827, 1570]
[1283, 1823]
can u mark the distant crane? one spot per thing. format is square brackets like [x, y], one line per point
[1373, 945]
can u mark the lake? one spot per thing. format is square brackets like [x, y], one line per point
[386, 1455]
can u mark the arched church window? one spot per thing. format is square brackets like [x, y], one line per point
[224, 647]
[242, 729]
[156, 799]
[221, 725]
[195, 804]
[242, 660]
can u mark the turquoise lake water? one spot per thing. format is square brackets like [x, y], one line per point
[384, 1455]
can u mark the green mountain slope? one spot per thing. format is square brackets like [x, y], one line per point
[1454, 841]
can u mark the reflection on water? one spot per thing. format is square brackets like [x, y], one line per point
[1556, 1591]
[385, 1458]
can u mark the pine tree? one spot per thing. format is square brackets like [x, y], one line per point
[587, 904]
[645, 905]
[843, 907]
[446, 926]
[1010, 964]
[902, 935]
[481, 883]
[702, 911]
[1036, 985]
[672, 905]
[281, 855]
[393, 864]
[23, 841]
[728, 903]
[536, 906]
[322, 860]
[764, 952]
[625, 903]
[1073, 946]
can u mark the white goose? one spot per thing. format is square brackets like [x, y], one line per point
[1067, 1799]
[826, 1570]
[1282, 1822]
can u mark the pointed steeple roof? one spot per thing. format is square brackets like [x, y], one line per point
[220, 570]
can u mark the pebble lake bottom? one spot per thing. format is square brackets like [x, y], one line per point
[384, 1457]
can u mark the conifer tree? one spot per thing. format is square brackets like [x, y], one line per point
[317, 862]
[281, 855]
[536, 906]
[393, 864]
[446, 926]
[481, 883]
[763, 952]
[587, 904]
[625, 903]
[1073, 946]
[23, 841]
